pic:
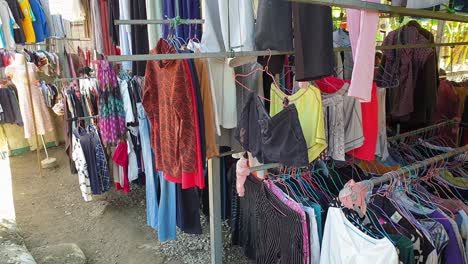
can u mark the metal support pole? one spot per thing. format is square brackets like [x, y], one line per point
[214, 184]
[364, 5]
[416, 132]
[33, 115]
[231, 54]
[156, 21]
[184, 56]
[419, 165]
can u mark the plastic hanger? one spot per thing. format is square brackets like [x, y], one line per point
[331, 170]
[313, 181]
[321, 180]
[303, 186]
[387, 218]
[264, 69]
[307, 188]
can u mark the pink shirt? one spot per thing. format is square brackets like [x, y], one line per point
[362, 26]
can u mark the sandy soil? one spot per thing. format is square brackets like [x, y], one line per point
[111, 229]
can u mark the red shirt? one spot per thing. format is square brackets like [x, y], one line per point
[370, 117]
[190, 180]
[109, 48]
[121, 158]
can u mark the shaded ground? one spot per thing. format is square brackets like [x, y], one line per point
[111, 229]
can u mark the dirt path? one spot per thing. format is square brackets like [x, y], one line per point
[111, 229]
[50, 210]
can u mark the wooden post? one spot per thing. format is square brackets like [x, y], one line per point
[216, 238]
[33, 115]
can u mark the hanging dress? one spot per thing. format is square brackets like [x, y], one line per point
[42, 115]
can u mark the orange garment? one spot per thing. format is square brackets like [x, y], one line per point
[26, 22]
[212, 148]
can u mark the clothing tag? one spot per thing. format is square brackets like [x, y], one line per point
[396, 217]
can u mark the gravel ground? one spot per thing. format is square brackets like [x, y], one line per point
[198, 247]
[110, 230]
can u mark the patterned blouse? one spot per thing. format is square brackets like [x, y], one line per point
[111, 110]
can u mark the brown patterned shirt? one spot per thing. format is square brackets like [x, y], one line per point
[167, 100]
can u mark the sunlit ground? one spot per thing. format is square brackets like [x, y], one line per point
[7, 207]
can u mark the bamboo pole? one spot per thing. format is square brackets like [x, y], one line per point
[33, 115]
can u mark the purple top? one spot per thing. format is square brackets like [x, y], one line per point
[188, 9]
[452, 252]
[404, 65]
[111, 111]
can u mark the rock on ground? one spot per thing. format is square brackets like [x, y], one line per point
[12, 248]
[67, 253]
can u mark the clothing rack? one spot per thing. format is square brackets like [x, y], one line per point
[74, 78]
[228, 153]
[232, 54]
[454, 74]
[183, 56]
[447, 123]
[411, 46]
[363, 5]
[158, 21]
[216, 241]
[69, 39]
[390, 175]
[83, 118]
[34, 45]
[394, 138]
[418, 165]
[214, 180]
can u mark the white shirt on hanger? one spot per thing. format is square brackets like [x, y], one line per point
[343, 243]
[228, 24]
[125, 33]
[154, 11]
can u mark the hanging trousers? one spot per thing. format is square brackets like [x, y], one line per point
[362, 30]
[160, 216]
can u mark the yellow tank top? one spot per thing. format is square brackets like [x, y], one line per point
[27, 21]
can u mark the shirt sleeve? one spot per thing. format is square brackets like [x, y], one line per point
[150, 91]
[182, 96]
